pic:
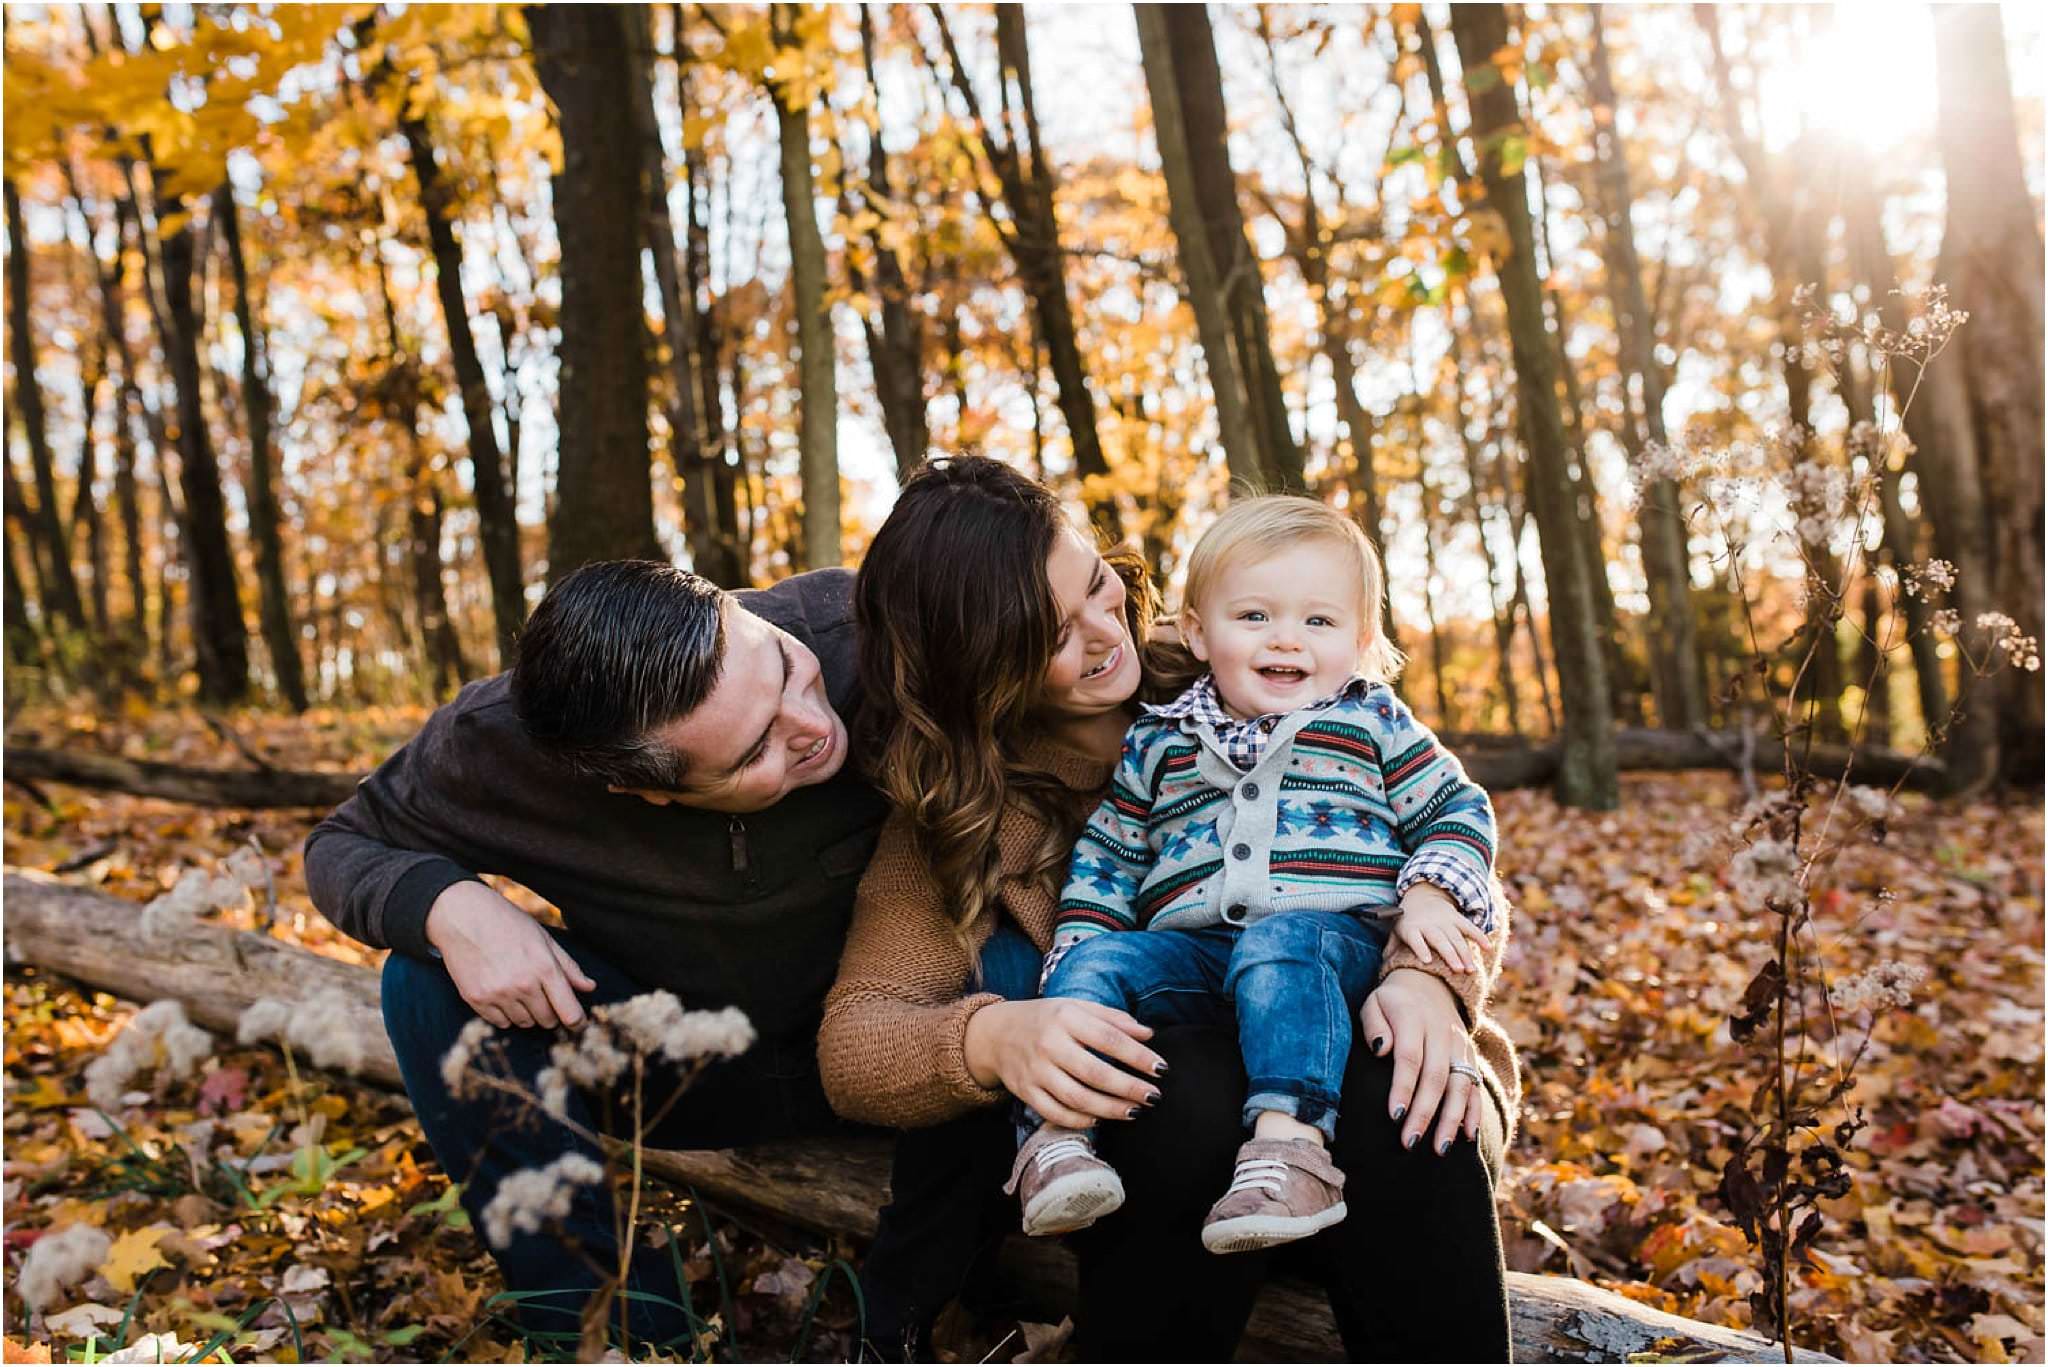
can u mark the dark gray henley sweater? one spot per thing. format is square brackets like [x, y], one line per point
[721, 910]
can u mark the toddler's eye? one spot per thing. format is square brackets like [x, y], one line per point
[1251, 615]
[1320, 621]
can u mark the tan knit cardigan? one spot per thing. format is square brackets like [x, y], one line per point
[892, 1048]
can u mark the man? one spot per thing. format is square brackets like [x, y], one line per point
[667, 764]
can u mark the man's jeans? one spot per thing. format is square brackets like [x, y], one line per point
[770, 1092]
[1294, 982]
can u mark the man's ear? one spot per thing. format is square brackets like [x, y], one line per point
[660, 797]
[1191, 634]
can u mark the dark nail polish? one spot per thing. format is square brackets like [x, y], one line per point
[1379, 1044]
[1400, 1111]
[1159, 1069]
[1152, 1099]
[1411, 1141]
[1131, 1114]
[1443, 1148]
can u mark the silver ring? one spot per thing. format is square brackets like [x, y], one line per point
[1468, 1070]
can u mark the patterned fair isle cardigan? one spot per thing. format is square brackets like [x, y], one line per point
[1350, 806]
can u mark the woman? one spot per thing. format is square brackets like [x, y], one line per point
[1001, 659]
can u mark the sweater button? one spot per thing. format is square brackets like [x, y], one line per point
[1235, 911]
[1250, 791]
[1240, 851]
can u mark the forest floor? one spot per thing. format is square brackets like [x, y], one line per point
[1628, 954]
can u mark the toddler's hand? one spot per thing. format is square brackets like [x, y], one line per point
[1431, 924]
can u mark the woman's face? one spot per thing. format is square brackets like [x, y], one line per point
[1094, 666]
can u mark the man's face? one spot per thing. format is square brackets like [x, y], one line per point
[766, 729]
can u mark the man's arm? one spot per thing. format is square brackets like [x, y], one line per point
[396, 866]
[374, 891]
[380, 860]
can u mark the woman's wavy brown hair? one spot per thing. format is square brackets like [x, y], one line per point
[957, 626]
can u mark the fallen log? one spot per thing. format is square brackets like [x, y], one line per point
[1495, 762]
[181, 782]
[827, 1187]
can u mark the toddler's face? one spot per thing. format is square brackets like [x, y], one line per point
[1281, 632]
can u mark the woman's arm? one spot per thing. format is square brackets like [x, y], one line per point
[894, 1047]
[890, 1045]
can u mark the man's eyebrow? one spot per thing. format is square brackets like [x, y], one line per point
[754, 750]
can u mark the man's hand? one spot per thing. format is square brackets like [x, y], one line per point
[504, 963]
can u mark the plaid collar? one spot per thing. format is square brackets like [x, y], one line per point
[1242, 742]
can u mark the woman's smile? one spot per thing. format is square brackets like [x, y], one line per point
[1109, 662]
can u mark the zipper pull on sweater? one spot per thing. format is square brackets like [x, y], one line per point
[741, 864]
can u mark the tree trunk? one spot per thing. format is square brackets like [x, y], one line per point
[689, 449]
[280, 636]
[128, 410]
[1586, 777]
[1186, 87]
[1503, 621]
[818, 423]
[60, 584]
[441, 647]
[604, 490]
[1229, 385]
[1673, 627]
[897, 350]
[496, 501]
[1993, 246]
[1034, 244]
[1519, 607]
[220, 639]
[1439, 662]
[1870, 265]
[23, 649]
[85, 508]
[1873, 674]
[725, 472]
[1792, 252]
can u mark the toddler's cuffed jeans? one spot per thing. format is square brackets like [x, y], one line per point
[1292, 981]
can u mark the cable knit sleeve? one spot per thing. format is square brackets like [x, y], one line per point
[892, 1047]
[1445, 820]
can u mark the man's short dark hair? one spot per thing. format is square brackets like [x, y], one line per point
[616, 651]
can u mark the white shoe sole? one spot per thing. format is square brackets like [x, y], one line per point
[1248, 1233]
[1073, 1202]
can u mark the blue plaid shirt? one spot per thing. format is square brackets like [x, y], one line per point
[1243, 742]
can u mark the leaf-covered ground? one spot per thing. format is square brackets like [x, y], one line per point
[1628, 954]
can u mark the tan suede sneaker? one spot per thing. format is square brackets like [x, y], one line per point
[1283, 1189]
[1063, 1185]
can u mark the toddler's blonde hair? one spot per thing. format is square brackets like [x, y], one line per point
[1251, 529]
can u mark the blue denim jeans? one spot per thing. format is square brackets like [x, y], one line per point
[770, 1092]
[1293, 982]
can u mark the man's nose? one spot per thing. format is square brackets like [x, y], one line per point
[808, 720]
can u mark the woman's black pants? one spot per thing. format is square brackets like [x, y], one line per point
[1414, 1272]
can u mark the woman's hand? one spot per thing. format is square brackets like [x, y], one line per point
[1416, 1015]
[1038, 1051]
